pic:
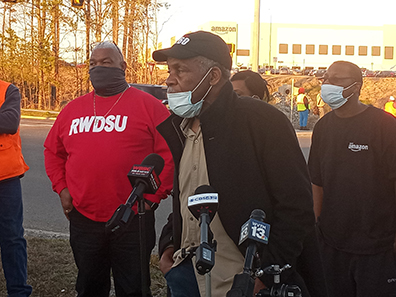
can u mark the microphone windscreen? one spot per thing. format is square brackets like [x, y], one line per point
[154, 160]
[204, 189]
[258, 214]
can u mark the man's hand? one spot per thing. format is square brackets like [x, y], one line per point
[258, 285]
[66, 201]
[166, 261]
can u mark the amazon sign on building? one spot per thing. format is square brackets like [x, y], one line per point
[229, 32]
[310, 46]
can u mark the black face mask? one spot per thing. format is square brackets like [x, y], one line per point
[107, 81]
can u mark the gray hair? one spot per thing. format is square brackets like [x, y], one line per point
[205, 64]
[108, 44]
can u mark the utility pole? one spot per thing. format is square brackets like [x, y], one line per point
[256, 36]
[270, 43]
[87, 39]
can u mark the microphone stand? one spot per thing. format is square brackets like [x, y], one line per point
[205, 247]
[143, 245]
[204, 253]
[208, 284]
[203, 205]
[144, 179]
[243, 284]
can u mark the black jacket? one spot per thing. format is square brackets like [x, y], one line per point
[254, 161]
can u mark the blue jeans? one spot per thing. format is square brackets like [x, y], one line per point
[97, 253]
[12, 242]
[181, 280]
[303, 117]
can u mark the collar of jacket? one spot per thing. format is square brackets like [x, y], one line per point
[170, 128]
[221, 105]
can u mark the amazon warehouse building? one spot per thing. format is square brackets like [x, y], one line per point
[299, 46]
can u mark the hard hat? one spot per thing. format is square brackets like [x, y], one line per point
[392, 98]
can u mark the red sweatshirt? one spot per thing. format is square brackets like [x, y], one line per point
[93, 159]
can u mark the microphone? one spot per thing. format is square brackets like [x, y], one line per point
[255, 229]
[203, 205]
[253, 233]
[147, 173]
[144, 179]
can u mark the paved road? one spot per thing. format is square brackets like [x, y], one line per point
[304, 138]
[42, 209]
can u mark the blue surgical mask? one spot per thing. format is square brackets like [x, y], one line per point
[332, 95]
[180, 103]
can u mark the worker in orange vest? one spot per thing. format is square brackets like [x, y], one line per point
[12, 168]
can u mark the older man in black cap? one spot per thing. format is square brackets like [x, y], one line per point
[247, 151]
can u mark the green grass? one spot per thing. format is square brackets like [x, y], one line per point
[52, 271]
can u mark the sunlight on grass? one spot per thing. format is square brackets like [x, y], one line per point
[52, 271]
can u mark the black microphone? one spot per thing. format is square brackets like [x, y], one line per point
[147, 174]
[203, 205]
[254, 233]
[144, 179]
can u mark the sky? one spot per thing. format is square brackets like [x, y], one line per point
[186, 15]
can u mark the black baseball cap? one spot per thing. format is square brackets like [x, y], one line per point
[200, 43]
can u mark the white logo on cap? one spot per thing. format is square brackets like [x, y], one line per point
[183, 40]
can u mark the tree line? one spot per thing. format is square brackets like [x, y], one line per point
[46, 44]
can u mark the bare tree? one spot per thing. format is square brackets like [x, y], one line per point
[45, 44]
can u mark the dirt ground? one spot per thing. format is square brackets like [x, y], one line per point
[375, 91]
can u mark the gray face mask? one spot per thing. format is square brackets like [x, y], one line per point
[107, 81]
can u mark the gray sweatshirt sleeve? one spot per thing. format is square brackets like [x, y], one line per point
[10, 111]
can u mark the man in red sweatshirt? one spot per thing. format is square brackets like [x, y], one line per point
[90, 149]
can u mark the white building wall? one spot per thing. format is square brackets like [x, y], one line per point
[329, 37]
[273, 34]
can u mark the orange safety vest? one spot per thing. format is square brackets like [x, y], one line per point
[12, 163]
[390, 108]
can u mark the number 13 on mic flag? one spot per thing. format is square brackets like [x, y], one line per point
[254, 230]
